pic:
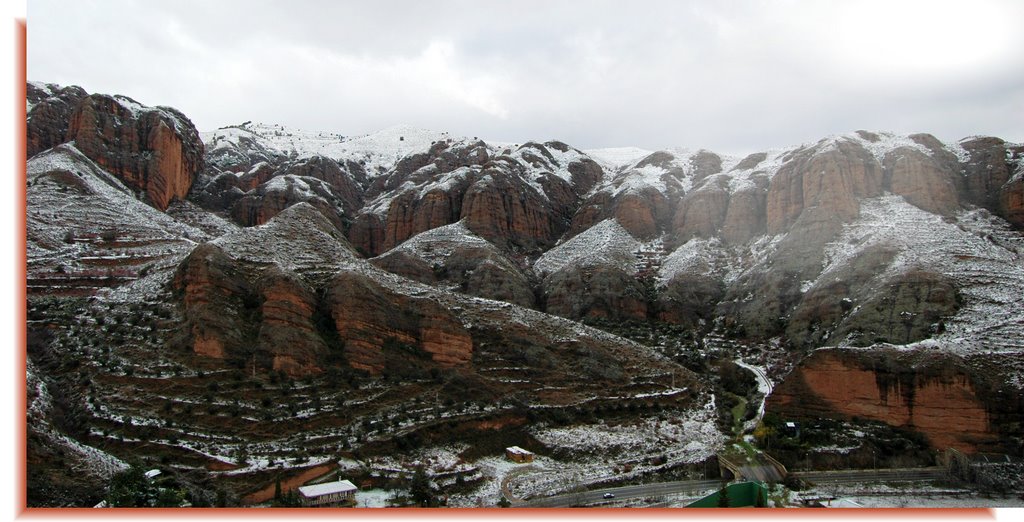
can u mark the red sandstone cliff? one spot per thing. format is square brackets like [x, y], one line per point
[934, 394]
[372, 319]
[156, 151]
[47, 119]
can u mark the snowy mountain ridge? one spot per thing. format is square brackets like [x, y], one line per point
[377, 151]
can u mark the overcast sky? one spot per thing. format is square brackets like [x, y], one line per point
[733, 77]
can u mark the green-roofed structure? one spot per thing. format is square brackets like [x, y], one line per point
[741, 494]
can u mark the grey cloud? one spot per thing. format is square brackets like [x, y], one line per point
[730, 76]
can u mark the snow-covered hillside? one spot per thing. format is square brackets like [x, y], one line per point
[436, 245]
[978, 252]
[377, 151]
[605, 243]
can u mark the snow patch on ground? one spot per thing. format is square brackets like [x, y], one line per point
[615, 452]
[690, 438]
[373, 498]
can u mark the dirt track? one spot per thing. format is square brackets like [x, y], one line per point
[288, 483]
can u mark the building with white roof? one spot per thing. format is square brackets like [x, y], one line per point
[339, 493]
[517, 454]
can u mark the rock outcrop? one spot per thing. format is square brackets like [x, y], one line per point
[934, 394]
[287, 333]
[690, 299]
[154, 150]
[412, 212]
[451, 257]
[502, 209]
[254, 196]
[644, 212]
[285, 307]
[521, 200]
[702, 211]
[48, 115]
[908, 308]
[259, 205]
[705, 163]
[596, 292]
[921, 180]
[424, 191]
[219, 305]
[830, 179]
[986, 171]
[345, 180]
[374, 321]
[1011, 200]
[745, 217]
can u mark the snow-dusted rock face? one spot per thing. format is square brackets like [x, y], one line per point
[48, 112]
[992, 176]
[594, 274]
[640, 196]
[291, 295]
[519, 199]
[155, 150]
[424, 191]
[825, 180]
[1011, 201]
[947, 398]
[452, 257]
[255, 288]
[257, 206]
[275, 182]
[373, 321]
[483, 258]
[771, 217]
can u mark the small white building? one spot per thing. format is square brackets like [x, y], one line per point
[517, 454]
[339, 493]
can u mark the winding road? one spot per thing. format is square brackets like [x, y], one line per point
[764, 385]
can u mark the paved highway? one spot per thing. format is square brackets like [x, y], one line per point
[660, 489]
[861, 476]
[657, 489]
